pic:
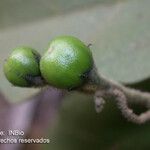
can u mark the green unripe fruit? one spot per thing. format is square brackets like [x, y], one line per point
[66, 62]
[22, 66]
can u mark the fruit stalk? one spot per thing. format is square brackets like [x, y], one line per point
[107, 89]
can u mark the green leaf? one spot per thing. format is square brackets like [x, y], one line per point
[80, 127]
[20, 12]
[119, 33]
[123, 42]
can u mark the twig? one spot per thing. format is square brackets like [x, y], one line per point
[123, 95]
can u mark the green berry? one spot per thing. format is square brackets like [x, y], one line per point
[22, 66]
[66, 62]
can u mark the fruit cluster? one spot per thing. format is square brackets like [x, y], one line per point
[64, 65]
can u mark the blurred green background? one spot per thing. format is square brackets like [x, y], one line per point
[119, 31]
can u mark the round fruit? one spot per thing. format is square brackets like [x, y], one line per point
[22, 66]
[66, 62]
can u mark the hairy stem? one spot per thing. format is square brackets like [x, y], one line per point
[107, 89]
[98, 82]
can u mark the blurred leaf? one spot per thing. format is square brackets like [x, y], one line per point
[80, 127]
[143, 85]
[123, 42]
[119, 33]
[18, 12]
